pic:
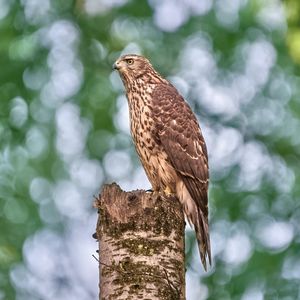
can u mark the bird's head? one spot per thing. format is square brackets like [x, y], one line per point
[132, 66]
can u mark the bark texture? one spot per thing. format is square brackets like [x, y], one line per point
[141, 245]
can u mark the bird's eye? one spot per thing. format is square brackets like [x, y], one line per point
[129, 61]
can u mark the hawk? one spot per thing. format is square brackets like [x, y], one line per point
[169, 142]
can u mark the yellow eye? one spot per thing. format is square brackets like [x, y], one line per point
[129, 61]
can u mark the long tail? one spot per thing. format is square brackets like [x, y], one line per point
[198, 221]
[203, 240]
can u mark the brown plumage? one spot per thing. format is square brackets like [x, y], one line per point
[169, 142]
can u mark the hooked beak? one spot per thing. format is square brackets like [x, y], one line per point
[116, 66]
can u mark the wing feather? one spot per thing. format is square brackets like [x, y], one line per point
[180, 135]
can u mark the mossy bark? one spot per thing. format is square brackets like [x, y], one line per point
[141, 245]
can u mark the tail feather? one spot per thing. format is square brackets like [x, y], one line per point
[203, 240]
[198, 221]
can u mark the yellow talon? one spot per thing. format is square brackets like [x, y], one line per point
[167, 191]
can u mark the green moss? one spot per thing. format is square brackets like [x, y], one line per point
[136, 276]
[160, 219]
[144, 246]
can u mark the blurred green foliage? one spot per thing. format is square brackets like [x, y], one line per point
[62, 110]
[292, 9]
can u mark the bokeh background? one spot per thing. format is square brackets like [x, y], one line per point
[64, 132]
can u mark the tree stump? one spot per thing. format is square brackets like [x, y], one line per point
[141, 245]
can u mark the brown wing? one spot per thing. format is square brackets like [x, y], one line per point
[181, 137]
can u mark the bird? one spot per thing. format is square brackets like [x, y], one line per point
[169, 142]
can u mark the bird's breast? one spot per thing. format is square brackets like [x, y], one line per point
[144, 131]
[142, 125]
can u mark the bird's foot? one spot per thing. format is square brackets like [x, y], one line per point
[168, 191]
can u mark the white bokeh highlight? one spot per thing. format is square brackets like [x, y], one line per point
[275, 235]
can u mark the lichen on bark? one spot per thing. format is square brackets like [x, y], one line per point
[141, 245]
